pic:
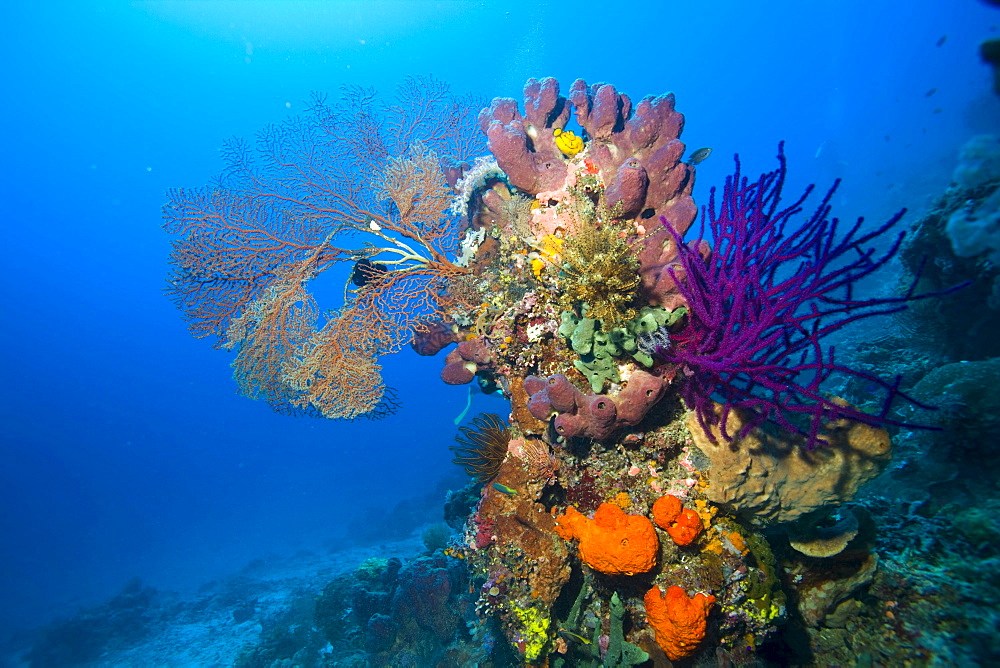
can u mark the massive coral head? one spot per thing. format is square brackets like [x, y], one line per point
[764, 301]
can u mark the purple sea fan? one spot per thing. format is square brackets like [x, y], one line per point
[761, 304]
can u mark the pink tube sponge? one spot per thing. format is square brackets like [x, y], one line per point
[524, 145]
[636, 141]
[462, 363]
[595, 416]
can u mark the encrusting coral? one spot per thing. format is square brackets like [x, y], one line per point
[771, 477]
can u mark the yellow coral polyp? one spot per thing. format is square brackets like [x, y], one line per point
[568, 142]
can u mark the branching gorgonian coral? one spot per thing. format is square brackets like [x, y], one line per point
[764, 301]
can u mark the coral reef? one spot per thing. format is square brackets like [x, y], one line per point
[960, 326]
[120, 622]
[975, 228]
[678, 478]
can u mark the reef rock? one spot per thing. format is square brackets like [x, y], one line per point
[820, 592]
[966, 395]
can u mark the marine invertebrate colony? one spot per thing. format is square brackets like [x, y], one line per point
[762, 303]
[678, 620]
[612, 542]
[683, 524]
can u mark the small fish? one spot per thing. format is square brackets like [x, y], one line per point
[504, 489]
[574, 635]
[944, 38]
[930, 92]
[699, 155]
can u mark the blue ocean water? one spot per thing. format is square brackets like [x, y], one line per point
[127, 452]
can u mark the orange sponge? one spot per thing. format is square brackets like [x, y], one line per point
[678, 621]
[666, 509]
[685, 528]
[683, 524]
[612, 542]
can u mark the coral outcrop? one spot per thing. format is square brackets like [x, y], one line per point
[647, 372]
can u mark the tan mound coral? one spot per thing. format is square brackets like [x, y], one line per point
[771, 477]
